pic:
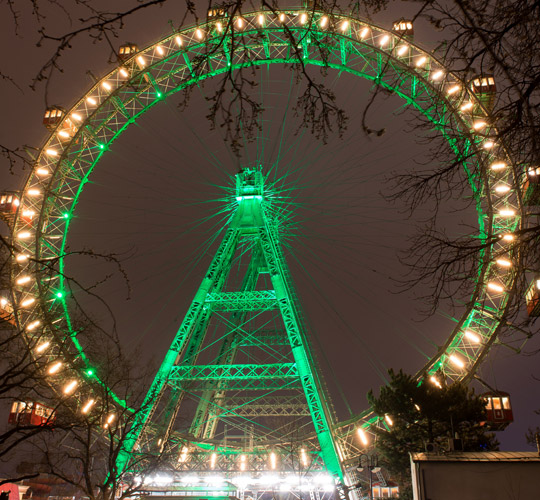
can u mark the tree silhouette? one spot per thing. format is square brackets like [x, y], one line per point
[422, 413]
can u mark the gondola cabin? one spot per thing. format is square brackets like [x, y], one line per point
[56, 117]
[403, 28]
[532, 298]
[385, 490]
[531, 187]
[217, 12]
[484, 88]
[30, 413]
[53, 116]
[498, 410]
[127, 51]
[6, 312]
[9, 203]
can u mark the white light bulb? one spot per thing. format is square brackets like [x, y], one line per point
[69, 388]
[55, 368]
[88, 405]
[479, 125]
[437, 75]
[495, 287]
[502, 188]
[456, 361]
[43, 346]
[402, 50]
[363, 436]
[472, 336]
[33, 325]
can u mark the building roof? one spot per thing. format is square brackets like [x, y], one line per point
[477, 456]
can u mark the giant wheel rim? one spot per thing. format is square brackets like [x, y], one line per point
[166, 67]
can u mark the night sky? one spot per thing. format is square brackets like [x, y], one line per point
[152, 196]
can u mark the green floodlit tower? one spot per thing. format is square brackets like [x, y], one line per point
[241, 361]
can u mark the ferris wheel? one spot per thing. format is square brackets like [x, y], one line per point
[79, 138]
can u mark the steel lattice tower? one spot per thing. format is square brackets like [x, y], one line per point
[259, 365]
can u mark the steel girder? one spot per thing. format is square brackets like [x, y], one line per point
[243, 301]
[282, 371]
[268, 406]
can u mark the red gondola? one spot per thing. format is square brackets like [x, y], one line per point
[127, 51]
[6, 311]
[532, 298]
[30, 413]
[9, 202]
[53, 116]
[498, 410]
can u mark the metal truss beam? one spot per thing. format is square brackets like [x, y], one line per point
[281, 371]
[293, 406]
[265, 338]
[264, 300]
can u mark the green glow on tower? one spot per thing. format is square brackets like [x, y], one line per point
[266, 291]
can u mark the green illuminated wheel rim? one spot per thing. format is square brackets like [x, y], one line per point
[261, 38]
